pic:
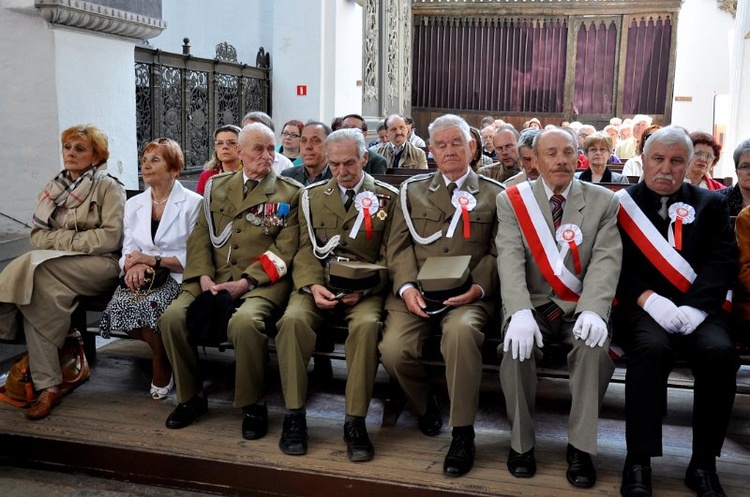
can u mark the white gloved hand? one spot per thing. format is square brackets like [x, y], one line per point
[591, 328]
[521, 334]
[694, 316]
[667, 314]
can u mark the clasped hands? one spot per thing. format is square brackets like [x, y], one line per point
[326, 299]
[136, 274]
[682, 320]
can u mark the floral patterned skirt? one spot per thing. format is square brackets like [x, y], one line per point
[128, 311]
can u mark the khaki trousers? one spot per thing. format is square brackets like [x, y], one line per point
[246, 331]
[295, 344]
[590, 372]
[460, 345]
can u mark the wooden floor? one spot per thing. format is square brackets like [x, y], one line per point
[111, 427]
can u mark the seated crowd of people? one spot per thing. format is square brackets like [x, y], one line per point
[508, 230]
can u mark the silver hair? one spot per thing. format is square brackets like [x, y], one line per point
[742, 149]
[509, 127]
[671, 135]
[450, 121]
[259, 117]
[255, 128]
[566, 131]
[527, 137]
[348, 135]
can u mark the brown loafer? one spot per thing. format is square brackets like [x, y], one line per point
[44, 404]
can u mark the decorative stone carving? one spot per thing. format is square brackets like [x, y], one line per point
[225, 51]
[94, 17]
[371, 52]
[728, 6]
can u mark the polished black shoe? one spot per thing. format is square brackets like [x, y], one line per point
[293, 439]
[460, 457]
[522, 465]
[581, 472]
[431, 421]
[254, 421]
[704, 482]
[358, 445]
[636, 481]
[187, 412]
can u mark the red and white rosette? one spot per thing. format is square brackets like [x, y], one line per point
[680, 213]
[464, 202]
[367, 204]
[569, 237]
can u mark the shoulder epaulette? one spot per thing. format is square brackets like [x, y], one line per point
[385, 185]
[317, 183]
[493, 181]
[291, 181]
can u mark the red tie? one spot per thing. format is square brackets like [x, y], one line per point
[556, 204]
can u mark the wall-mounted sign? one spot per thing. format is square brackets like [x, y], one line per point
[301, 90]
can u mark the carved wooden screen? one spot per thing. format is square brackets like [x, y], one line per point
[649, 44]
[185, 98]
[514, 64]
[595, 67]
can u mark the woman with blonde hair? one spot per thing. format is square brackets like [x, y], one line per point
[77, 236]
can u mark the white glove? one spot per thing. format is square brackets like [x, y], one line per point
[591, 328]
[666, 313]
[694, 316]
[521, 333]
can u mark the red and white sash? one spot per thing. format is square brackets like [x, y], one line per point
[655, 247]
[542, 244]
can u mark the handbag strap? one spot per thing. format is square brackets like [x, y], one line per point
[81, 359]
[13, 402]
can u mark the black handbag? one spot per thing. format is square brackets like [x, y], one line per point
[157, 278]
[208, 316]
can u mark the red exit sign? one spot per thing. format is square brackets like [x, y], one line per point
[301, 90]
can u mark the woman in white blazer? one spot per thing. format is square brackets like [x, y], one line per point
[157, 224]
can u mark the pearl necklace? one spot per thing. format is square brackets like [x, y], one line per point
[159, 203]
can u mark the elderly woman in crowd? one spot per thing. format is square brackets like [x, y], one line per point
[480, 159]
[77, 236]
[705, 156]
[634, 165]
[290, 139]
[598, 149]
[157, 224]
[739, 194]
[226, 157]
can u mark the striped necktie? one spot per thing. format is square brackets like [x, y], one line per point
[556, 204]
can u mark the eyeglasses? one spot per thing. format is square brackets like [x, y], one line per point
[287, 134]
[706, 157]
[743, 167]
[230, 144]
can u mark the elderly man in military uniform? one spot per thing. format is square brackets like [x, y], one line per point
[450, 212]
[243, 244]
[344, 222]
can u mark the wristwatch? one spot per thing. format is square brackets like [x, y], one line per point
[158, 261]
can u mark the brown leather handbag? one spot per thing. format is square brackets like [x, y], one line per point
[19, 388]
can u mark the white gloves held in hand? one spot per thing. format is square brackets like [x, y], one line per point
[682, 320]
[521, 334]
[591, 328]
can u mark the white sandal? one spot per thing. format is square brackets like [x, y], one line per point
[159, 393]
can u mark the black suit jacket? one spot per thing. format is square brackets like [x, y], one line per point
[708, 245]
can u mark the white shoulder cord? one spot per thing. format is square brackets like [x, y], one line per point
[319, 252]
[217, 241]
[409, 224]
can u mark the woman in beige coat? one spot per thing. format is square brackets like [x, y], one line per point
[77, 236]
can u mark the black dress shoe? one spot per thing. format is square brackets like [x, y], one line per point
[187, 412]
[293, 439]
[254, 421]
[581, 472]
[460, 457]
[358, 445]
[704, 482]
[431, 421]
[522, 465]
[636, 481]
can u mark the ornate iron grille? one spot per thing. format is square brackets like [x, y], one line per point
[185, 98]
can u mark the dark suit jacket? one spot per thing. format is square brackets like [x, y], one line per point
[376, 163]
[298, 173]
[707, 244]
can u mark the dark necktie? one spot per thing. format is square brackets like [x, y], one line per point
[249, 185]
[663, 210]
[556, 204]
[397, 158]
[349, 199]
[451, 188]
